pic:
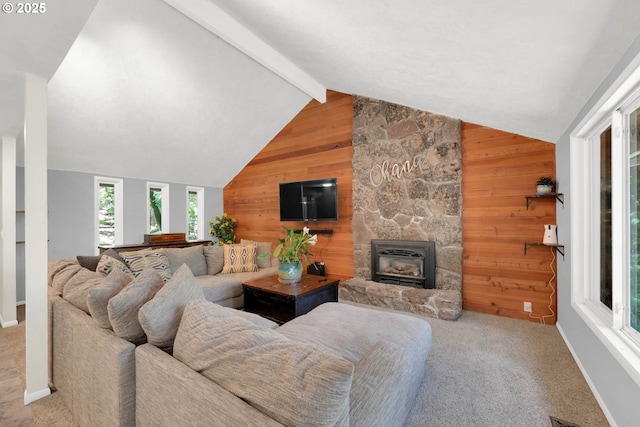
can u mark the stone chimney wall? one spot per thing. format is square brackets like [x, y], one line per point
[407, 184]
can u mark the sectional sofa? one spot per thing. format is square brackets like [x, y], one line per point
[201, 363]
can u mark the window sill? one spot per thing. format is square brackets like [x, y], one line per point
[625, 350]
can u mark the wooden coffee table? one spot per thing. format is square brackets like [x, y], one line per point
[282, 302]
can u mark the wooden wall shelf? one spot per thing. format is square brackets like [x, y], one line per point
[558, 196]
[558, 248]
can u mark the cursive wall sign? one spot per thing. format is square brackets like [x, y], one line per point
[387, 172]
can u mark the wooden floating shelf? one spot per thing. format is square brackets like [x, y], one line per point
[558, 196]
[559, 248]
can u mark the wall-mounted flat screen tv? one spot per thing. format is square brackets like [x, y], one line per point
[314, 200]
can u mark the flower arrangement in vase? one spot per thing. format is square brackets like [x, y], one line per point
[223, 228]
[291, 251]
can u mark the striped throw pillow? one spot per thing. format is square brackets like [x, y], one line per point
[137, 261]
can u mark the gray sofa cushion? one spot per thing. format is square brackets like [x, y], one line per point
[324, 325]
[294, 383]
[161, 315]
[77, 288]
[123, 308]
[376, 398]
[193, 256]
[214, 256]
[99, 296]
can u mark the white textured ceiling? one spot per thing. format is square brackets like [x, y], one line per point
[147, 93]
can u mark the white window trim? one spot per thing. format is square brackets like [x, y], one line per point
[584, 242]
[118, 209]
[166, 221]
[200, 195]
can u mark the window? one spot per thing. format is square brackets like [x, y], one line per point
[195, 203]
[158, 208]
[108, 212]
[605, 221]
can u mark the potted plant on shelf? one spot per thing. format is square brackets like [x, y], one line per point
[292, 251]
[223, 228]
[544, 185]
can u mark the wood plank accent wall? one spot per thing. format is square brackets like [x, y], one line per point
[498, 170]
[315, 144]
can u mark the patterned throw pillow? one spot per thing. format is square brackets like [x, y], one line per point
[239, 259]
[107, 264]
[262, 248]
[137, 261]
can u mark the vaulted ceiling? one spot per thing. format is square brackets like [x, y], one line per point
[145, 89]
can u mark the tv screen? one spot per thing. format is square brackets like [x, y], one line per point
[314, 200]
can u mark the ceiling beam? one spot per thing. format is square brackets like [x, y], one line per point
[228, 29]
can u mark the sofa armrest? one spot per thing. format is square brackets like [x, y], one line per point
[378, 395]
[169, 393]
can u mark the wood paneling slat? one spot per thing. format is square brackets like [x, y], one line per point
[498, 170]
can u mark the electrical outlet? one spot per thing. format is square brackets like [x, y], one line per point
[527, 307]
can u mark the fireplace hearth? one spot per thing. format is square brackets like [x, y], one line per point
[404, 262]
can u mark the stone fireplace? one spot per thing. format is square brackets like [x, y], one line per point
[406, 186]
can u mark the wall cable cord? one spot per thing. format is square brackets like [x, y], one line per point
[553, 290]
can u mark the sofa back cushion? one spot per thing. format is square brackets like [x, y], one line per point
[161, 315]
[294, 383]
[193, 256]
[99, 296]
[214, 255]
[123, 308]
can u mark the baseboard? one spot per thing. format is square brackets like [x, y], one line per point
[20, 303]
[32, 397]
[8, 324]
[594, 390]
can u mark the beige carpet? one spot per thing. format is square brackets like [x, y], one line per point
[483, 370]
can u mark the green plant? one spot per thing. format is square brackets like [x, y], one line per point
[545, 180]
[294, 247]
[224, 229]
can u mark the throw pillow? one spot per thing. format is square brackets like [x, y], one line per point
[107, 264]
[239, 259]
[55, 266]
[63, 276]
[295, 383]
[77, 288]
[261, 248]
[123, 308]
[90, 262]
[137, 261]
[161, 316]
[214, 255]
[193, 256]
[99, 296]
[113, 254]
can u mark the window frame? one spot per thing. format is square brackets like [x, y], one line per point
[608, 325]
[165, 225]
[200, 221]
[118, 209]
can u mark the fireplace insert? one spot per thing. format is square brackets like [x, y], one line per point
[404, 262]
